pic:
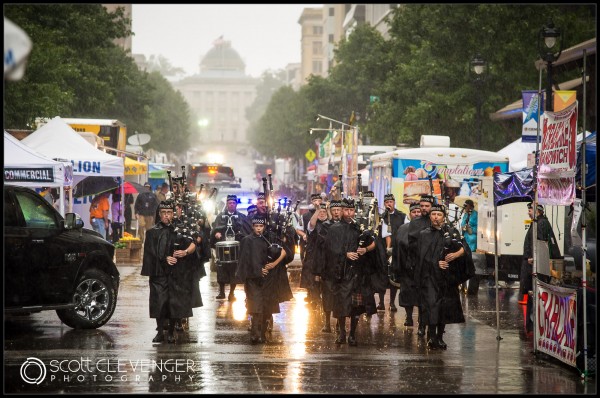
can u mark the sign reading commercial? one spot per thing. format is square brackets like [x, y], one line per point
[24, 174]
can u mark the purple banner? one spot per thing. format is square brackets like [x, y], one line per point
[513, 187]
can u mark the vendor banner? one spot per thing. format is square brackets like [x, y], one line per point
[556, 191]
[531, 103]
[558, 150]
[555, 331]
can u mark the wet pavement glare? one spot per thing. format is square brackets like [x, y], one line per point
[215, 354]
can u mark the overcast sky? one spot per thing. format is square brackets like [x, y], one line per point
[267, 36]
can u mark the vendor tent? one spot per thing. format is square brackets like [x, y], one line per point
[57, 139]
[133, 167]
[25, 167]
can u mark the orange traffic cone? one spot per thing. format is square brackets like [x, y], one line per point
[524, 301]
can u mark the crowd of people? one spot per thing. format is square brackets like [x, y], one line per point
[351, 255]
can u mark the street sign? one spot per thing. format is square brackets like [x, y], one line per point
[310, 155]
[373, 98]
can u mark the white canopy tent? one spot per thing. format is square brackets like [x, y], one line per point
[25, 167]
[517, 152]
[57, 139]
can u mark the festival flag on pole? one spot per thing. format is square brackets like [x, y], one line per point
[564, 98]
[530, 115]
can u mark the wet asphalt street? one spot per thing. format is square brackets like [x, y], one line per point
[215, 354]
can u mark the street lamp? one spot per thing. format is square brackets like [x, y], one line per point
[550, 44]
[478, 66]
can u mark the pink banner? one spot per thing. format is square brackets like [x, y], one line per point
[556, 191]
[556, 322]
[559, 133]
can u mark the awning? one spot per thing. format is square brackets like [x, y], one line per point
[133, 167]
[515, 110]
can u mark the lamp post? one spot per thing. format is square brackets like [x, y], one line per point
[550, 44]
[478, 66]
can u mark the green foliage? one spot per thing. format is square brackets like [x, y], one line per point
[422, 73]
[75, 70]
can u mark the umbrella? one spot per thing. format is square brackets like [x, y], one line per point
[460, 200]
[131, 187]
[94, 185]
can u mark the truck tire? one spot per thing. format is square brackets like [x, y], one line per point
[95, 300]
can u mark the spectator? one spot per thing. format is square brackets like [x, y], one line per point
[128, 212]
[145, 211]
[99, 214]
[117, 218]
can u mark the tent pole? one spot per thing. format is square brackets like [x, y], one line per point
[61, 200]
[496, 271]
[583, 222]
[535, 200]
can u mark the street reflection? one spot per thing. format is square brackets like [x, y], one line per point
[299, 327]
[239, 306]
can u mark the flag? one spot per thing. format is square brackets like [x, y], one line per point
[564, 98]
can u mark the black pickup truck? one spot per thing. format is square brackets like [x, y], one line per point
[53, 263]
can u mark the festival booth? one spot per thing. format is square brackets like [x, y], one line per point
[25, 167]
[57, 139]
[560, 310]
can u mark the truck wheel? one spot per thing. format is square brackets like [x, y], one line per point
[95, 300]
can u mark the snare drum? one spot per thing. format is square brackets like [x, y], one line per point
[227, 251]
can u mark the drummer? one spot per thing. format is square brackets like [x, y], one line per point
[229, 225]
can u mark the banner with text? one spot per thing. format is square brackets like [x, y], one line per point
[556, 322]
[558, 150]
[531, 102]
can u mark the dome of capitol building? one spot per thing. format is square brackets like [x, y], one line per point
[222, 57]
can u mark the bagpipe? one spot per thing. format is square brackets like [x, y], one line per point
[452, 237]
[188, 207]
[275, 225]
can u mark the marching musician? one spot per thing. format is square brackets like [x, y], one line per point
[307, 278]
[165, 263]
[352, 292]
[323, 272]
[416, 225]
[259, 278]
[228, 225]
[391, 220]
[408, 296]
[442, 265]
[277, 233]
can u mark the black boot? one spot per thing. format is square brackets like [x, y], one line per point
[160, 336]
[327, 327]
[255, 326]
[221, 291]
[393, 292]
[431, 338]
[421, 329]
[381, 306]
[353, 325]
[263, 327]
[171, 331]
[409, 316]
[341, 339]
[440, 333]
[231, 296]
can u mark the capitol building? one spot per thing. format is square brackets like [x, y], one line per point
[219, 95]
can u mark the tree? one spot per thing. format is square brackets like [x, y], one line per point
[75, 70]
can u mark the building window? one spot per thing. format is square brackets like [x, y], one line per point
[331, 38]
[317, 48]
[331, 11]
[317, 67]
[317, 30]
